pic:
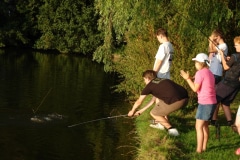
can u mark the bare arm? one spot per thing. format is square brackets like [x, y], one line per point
[157, 65]
[212, 48]
[194, 86]
[149, 104]
[136, 104]
[224, 63]
[212, 45]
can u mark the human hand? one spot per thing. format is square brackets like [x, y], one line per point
[131, 113]
[184, 74]
[138, 113]
[221, 52]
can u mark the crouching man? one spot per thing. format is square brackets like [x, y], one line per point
[169, 97]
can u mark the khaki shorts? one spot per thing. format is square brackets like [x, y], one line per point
[163, 109]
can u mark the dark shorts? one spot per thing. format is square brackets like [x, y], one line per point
[217, 79]
[225, 94]
[205, 111]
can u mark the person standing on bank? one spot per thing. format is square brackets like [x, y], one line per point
[204, 86]
[169, 97]
[216, 42]
[228, 88]
[163, 60]
[164, 55]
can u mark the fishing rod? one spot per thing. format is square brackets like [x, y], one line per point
[34, 111]
[124, 115]
[187, 19]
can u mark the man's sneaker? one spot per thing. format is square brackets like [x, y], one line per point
[173, 132]
[157, 126]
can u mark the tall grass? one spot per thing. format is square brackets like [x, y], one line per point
[155, 144]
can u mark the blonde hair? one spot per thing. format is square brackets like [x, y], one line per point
[203, 64]
[237, 40]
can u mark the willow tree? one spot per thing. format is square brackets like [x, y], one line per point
[129, 31]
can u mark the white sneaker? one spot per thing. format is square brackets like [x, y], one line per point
[157, 126]
[173, 132]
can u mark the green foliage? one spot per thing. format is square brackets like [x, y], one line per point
[113, 22]
[18, 22]
[68, 26]
[63, 25]
[131, 65]
[129, 33]
[123, 29]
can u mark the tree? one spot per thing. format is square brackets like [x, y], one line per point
[68, 26]
[129, 32]
[18, 19]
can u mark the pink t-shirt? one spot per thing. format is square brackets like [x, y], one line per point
[206, 92]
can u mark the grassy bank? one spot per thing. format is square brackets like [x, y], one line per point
[158, 145]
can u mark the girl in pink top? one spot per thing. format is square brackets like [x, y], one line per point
[204, 86]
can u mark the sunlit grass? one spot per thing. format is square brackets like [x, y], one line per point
[155, 144]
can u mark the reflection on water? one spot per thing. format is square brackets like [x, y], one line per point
[41, 94]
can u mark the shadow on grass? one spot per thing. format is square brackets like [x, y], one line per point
[221, 140]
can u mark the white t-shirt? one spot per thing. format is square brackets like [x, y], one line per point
[165, 54]
[216, 62]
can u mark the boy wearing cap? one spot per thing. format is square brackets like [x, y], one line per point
[204, 86]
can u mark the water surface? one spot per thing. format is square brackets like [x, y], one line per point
[73, 89]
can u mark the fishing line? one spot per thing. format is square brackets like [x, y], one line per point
[187, 19]
[34, 111]
[124, 115]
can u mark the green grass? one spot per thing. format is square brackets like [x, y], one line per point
[158, 145]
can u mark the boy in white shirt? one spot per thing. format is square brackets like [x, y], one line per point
[164, 55]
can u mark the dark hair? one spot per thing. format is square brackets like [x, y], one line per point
[218, 32]
[162, 31]
[150, 74]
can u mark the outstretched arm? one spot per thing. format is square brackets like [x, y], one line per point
[149, 104]
[136, 105]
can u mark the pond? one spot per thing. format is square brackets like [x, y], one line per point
[43, 94]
